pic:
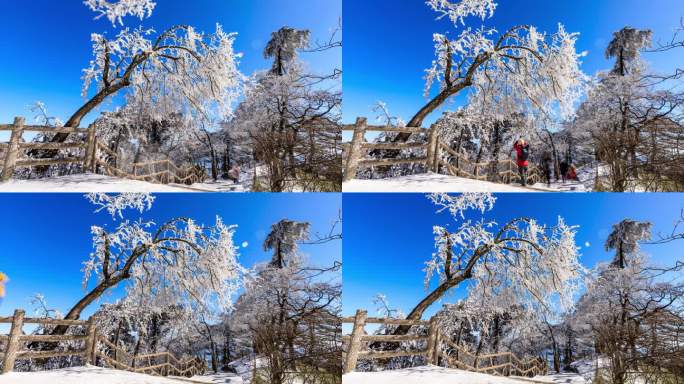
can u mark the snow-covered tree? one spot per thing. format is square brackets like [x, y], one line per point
[537, 69]
[288, 310]
[190, 71]
[179, 262]
[521, 262]
[633, 309]
[290, 118]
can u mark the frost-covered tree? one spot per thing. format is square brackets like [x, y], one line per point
[625, 238]
[283, 240]
[179, 262]
[521, 262]
[195, 72]
[290, 117]
[283, 47]
[626, 47]
[538, 69]
[633, 310]
[288, 311]
[631, 121]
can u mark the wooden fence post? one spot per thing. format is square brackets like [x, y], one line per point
[13, 344]
[89, 156]
[91, 342]
[13, 148]
[355, 149]
[433, 149]
[432, 342]
[355, 341]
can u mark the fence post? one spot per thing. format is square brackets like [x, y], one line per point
[432, 342]
[13, 344]
[355, 149]
[89, 156]
[13, 148]
[433, 149]
[91, 342]
[355, 341]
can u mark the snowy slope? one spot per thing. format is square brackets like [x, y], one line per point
[429, 182]
[83, 375]
[87, 182]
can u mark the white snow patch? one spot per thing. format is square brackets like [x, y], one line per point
[428, 182]
[217, 186]
[86, 182]
[425, 374]
[216, 378]
[565, 378]
[83, 375]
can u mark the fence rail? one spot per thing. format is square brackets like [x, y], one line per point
[96, 349]
[439, 157]
[438, 349]
[94, 156]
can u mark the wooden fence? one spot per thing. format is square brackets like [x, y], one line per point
[439, 157]
[94, 156]
[438, 350]
[96, 349]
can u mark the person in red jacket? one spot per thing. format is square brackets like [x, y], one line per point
[522, 154]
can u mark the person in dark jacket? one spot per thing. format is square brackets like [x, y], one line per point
[522, 154]
[564, 167]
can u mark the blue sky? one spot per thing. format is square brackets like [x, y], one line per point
[46, 237]
[388, 237]
[389, 45]
[46, 43]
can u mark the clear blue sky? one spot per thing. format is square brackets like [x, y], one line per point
[388, 237]
[388, 45]
[46, 237]
[46, 43]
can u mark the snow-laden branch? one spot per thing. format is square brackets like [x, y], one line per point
[116, 204]
[116, 10]
[458, 11]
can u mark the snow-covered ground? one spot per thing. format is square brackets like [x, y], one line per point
[87, 182]
[217, 186]
[85, 375]
[423, 375]
[438, 375]
[216, 378]
[429, 182]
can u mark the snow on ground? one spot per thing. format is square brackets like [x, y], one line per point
[84, 375]
[216, 186]
[425, 374]
[429, 182]
[217, 378]
[560, 378]
[87, 182]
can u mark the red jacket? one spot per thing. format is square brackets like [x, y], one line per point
[518, 153]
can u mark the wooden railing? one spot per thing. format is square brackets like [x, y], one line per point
[157, 364]
[96, 349]
[356, 150]
[439, 157]
[14, 149]
[438, 350]
[95, 156]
